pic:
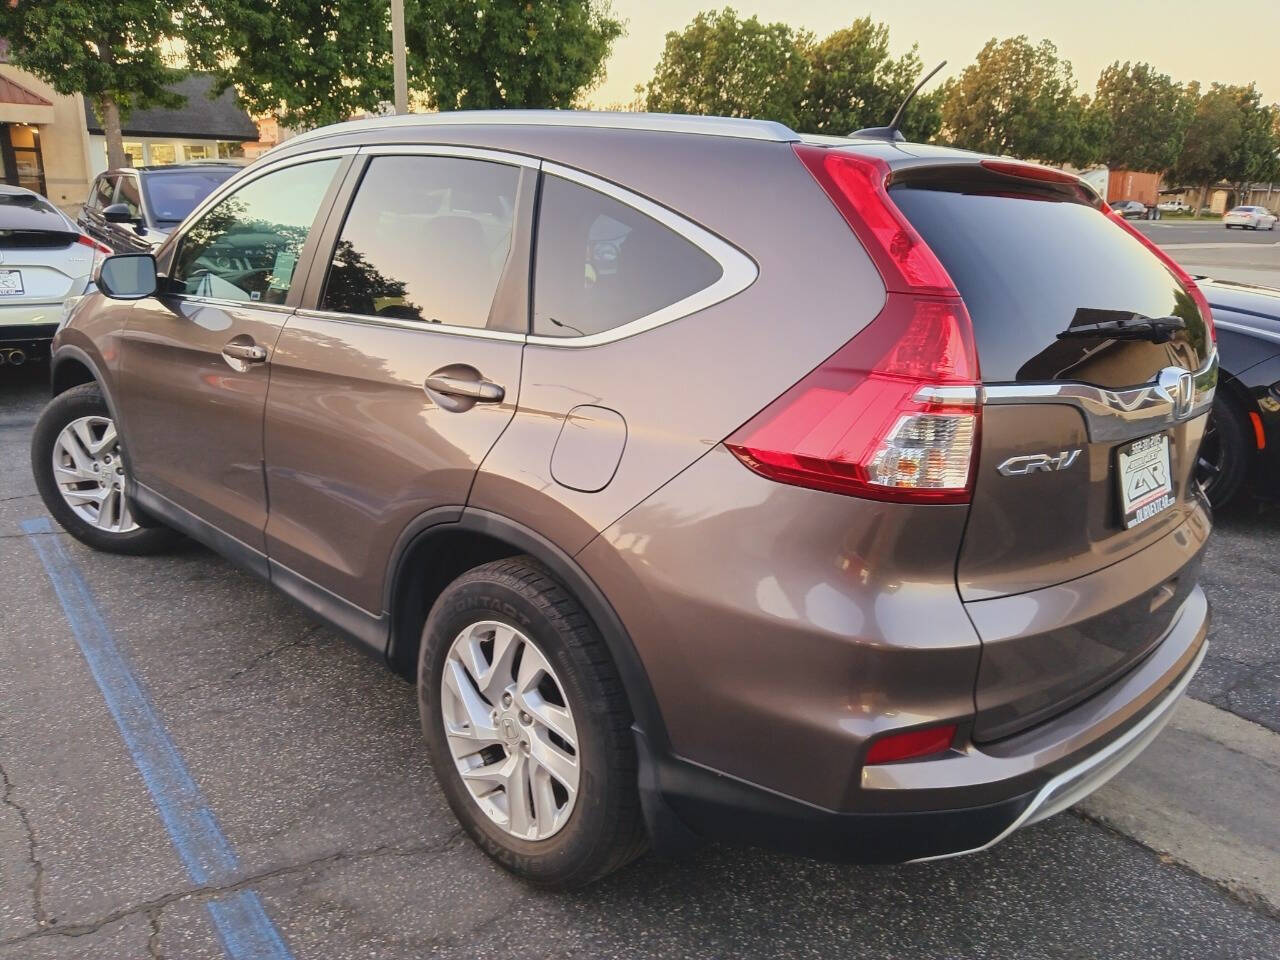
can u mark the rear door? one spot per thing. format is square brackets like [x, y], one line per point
[1088, 441]
[403, 368]
[196, 358]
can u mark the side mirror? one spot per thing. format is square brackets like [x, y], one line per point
[128, 276]
[118, 213]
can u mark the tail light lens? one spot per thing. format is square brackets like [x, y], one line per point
[893, 414]
[1184, 278]
[100, 251]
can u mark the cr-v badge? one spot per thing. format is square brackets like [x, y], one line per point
[1036, 462]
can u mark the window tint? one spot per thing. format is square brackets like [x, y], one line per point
[128, 195]
[245, 248]
[171, 196]
[601, 263]
[426, 239]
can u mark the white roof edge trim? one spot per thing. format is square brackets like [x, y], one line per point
[741, 128]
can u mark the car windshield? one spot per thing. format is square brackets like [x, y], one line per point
[172, 195]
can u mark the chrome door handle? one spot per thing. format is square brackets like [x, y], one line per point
[481, 391]
[248, 352]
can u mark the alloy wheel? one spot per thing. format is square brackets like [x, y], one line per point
[510, 730]
[89, 471]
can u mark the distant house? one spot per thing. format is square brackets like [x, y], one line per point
[54, 144]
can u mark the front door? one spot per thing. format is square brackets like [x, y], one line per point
[389, 392]
[196, 358]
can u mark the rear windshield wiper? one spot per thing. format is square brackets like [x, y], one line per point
[1132, 327]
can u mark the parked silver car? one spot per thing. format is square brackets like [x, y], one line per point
[44, 259]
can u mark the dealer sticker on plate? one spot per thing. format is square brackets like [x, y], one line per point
[1146, 487]
[11, 283]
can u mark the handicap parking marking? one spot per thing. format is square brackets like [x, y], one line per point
[243, 926]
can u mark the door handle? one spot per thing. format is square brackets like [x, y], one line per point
[481, 391]
[248, 352]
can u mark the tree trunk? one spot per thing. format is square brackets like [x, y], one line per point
[1204, 194]
[109, 114]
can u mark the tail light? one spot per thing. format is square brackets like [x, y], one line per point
[894, 413]
[1184, 278]
[100, 251]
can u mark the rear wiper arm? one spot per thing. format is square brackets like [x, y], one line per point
[1136, 327]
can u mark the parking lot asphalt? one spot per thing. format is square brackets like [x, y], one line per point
[307, 756]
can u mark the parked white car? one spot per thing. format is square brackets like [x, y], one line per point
[1175, 206]
[44, 259]
[1249, 218]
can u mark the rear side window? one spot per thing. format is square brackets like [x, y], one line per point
[426, 240]
[601, 263]
[1030, 268]
[103, 192]
[173, 195]
[129, 195]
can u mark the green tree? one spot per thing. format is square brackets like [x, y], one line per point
[1231, 137]
[1144, 117]
[112, 51]
[312, 62]
[475, 54]
[1255, 155]
[853, 83]
[723, 65]
[1020, 99]
[308, 62]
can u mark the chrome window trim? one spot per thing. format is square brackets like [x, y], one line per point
[421, 327]
[737, 270]
[1111, 415]
[733, 127]
[1246, 330]
[448, 150]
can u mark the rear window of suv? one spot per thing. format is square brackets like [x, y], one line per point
[1028, 268]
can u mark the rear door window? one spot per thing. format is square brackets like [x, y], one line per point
[104, 191]
[128, 195]
[426, 240]
[601, 263]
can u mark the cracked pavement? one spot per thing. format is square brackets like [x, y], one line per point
[309, 753]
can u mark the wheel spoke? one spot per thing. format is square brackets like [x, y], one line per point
[545, 809]
[555, 761]
[107, 509]
[554, 718]
[492, 675]
[1209, 466]
[106, 443]
[476, 714]
[72, 474]
[519, 818]
[92, 495]
[70, 444]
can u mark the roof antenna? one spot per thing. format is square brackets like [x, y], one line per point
[891, 132]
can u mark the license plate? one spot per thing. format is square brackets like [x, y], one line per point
[11, 283]
[1146, 485]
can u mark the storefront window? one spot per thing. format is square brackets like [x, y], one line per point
[198, 151]
[24, 166]
[163, 154]
[134, 152]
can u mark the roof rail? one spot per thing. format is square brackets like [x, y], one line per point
[600, 119]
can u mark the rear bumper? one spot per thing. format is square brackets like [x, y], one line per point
[26, 341]
[966, 801]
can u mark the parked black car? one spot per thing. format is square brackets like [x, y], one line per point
[1241, 446]
[132, 210]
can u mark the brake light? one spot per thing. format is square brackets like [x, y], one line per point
[1029, 171]
[858, 186]
[894, 413]
[94, 245]
[891, 415]
[911, 744]
[1184, 278]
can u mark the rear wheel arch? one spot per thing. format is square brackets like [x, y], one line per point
[444, 544]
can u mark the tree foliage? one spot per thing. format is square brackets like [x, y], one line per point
[854, 83]
[1144, 117]
[311, 62]
[723, 65]
[1231, 136]
[112, 51]
[1020, 98]
[495, 53]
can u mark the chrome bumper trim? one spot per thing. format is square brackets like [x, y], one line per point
[1077, 782]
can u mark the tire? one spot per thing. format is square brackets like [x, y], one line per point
[117, 531]
[602, 830]
[1222, 465]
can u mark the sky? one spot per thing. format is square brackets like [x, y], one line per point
[1179, 37]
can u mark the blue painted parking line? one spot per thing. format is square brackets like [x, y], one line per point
[246, 931]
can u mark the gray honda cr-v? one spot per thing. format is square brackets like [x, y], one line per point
[714, 481]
